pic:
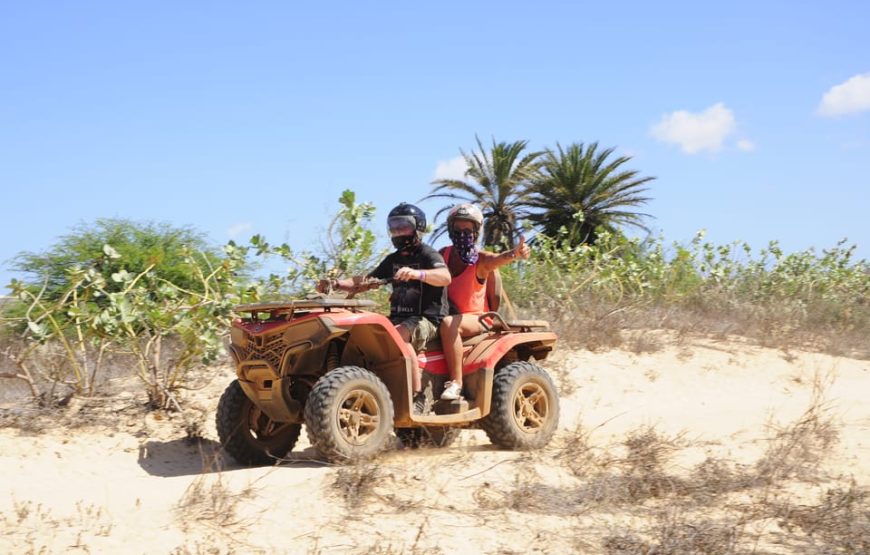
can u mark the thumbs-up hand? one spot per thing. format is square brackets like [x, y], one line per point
[522, 250]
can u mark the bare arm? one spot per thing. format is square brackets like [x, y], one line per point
[347, 284]
[437, 277]
[494, 290]
[491, 262]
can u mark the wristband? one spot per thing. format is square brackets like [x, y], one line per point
[422, 275]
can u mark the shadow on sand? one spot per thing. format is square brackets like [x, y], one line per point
[186, 457]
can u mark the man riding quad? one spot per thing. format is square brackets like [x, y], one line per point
[419, 275]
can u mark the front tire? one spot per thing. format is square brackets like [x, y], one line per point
[247, 433]
[349, 415]
[525, 407]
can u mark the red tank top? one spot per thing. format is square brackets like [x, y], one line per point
[466, 292]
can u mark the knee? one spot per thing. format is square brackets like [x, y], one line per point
[445, 324]
[404, 333]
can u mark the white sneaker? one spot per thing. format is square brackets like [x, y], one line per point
[452, 391]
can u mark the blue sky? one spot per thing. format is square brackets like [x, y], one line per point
[240, 118]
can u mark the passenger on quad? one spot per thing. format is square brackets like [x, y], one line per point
[469, 268]
[419, 277]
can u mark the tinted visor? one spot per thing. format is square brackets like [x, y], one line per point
[401, 225]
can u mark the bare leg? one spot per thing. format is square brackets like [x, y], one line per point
[416, 375]
[453, 329]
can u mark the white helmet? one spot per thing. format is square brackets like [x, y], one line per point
[468, 212]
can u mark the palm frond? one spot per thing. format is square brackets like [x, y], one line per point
[498, 180]
[583, 179]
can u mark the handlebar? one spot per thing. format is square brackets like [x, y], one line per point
[496, 318]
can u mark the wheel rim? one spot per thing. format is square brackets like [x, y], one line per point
[358, 417]
[531, 407]
[262, 427]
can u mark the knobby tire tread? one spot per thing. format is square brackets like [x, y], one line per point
[230, 420]
[319, 414]
[499, 424]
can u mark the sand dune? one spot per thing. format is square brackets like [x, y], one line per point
[126, 481]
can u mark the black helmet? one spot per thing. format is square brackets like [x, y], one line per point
[408, 213]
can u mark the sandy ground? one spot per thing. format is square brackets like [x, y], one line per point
[137, 486]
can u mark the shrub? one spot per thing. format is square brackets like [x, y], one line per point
[155, 294]
[620, 283]
[136, 314]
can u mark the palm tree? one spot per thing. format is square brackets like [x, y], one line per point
[580, 190]
[498, 183]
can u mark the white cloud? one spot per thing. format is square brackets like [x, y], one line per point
[705, 130]
[850, 97]
[451, 169]
[238, 229]
[745, 145]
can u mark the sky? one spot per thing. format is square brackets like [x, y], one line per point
[240, 118]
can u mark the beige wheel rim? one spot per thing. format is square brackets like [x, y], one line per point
[531, 408]
[358, 417]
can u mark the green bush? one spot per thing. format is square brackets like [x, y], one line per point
[801, 296]
[166, 329]
[133, 247]
[154, 294]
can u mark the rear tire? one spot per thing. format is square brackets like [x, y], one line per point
[525, 407]
[349, 415]
[247, 433]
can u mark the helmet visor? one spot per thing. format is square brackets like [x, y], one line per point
[401, 225]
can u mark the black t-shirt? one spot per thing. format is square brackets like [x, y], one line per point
[407, 298]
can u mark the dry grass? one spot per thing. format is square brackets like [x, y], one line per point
[30, 520]
[527, 495]
[355, 484]
[209, 501]
[838, 523]
[797, 450]
[716, 507]
[675, 532]
[562, 374]
[644, 341]
[388, 546]
[597, 324]
[612, 480]
[385, 545]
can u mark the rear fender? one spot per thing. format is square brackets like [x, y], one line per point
[488, 353]
[487, 356]
[482, 359]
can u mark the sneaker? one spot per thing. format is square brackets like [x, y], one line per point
[419, 402]
[452, 391]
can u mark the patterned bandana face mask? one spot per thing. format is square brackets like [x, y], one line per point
[465, 245]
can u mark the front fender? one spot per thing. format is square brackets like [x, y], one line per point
[374, 343]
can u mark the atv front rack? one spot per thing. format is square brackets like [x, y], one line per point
[323, 303]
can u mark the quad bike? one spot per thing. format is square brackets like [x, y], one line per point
[345, 372]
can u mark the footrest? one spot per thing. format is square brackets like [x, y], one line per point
[450, 407]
